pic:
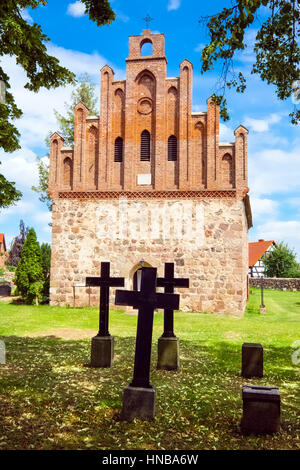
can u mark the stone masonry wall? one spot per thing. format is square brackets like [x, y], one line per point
[211, 248]
[276, 283]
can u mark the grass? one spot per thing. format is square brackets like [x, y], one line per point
[50, 400]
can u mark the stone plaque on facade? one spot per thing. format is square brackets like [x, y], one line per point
[144, 178]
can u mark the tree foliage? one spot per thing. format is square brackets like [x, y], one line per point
[46, 265]
[17, 245]
[9, 195]
[27, 43]
[42, 188]
[84, 92]
[281, 262]
[276, 48]
[29, 273]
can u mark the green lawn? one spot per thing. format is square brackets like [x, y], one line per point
[51, 400]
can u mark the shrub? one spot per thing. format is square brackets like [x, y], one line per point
[29, 273]
[280, 262]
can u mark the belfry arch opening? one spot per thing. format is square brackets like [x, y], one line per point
[146, 48]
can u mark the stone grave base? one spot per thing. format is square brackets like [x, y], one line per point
[261, 410]
[138, 402]
[168, 353]
[102, 351]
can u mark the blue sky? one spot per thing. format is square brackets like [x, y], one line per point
[273, 153]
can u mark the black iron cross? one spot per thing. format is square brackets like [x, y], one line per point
[146, 300]
[148, 19]
[104, 282]
[169, 282]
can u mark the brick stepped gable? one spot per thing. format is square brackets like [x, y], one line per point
[127, 152]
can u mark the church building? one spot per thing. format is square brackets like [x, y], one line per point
[148, 182]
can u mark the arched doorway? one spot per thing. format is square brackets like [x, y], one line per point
[136, 274]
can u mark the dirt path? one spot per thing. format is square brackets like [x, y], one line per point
[64, 333]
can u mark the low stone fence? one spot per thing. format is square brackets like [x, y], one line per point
[276, 283]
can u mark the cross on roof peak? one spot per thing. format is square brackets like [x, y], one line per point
[147, 19]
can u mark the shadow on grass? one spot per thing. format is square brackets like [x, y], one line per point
[50, 400]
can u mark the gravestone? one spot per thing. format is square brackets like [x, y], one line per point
[168, 343]
[2, 352]
[139, 396]
[261, 410]
[252, 360]
[102, 348]
[5, 290]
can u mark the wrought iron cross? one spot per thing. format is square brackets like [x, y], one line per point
[169, 282]
[146, 300]
[104, 282]
[147, 19]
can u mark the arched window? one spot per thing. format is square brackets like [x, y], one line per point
[145, 146]
[119, 149]
[172, 148]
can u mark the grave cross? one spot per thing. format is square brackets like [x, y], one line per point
[169, 282]
[104, 282]
[146, 300]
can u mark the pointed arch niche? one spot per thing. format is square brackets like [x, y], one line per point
[200, 155]
[68, 173]
[92, 158]
[227, 171]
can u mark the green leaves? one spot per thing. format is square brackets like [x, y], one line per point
[281, 262]
[276, 46]
[42, 188]
[9, 195]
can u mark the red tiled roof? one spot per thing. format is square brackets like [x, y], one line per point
[257, 249]
[2, 240]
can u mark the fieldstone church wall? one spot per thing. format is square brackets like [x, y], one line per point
[213, 254]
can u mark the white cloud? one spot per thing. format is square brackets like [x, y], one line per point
[43, 217]
[26, 16]
[262, 207]
[200, 47]
[20, 167]
[121, 16]
[274, 171]
[226, 133]
[262, 125]
[21, 208]
[174, 4]
[287, 231]
[76, 9]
